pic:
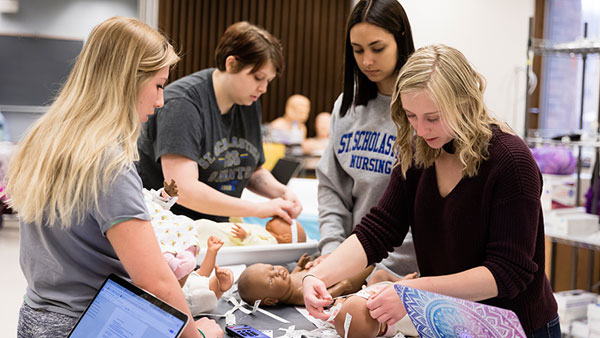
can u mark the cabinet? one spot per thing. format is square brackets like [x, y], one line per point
[580, 49]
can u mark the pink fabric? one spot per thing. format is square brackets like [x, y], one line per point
[182, 263]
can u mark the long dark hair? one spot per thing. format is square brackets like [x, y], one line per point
[389, 15]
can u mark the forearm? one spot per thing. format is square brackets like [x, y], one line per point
[169, 290]
[344, 261]
[474, 284]
[263, 183]
[205, 199]
[197, 195]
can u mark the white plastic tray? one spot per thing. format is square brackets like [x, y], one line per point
[276, 254]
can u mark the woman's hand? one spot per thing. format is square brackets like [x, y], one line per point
[316, 262]
[316, 296]
[209, 327]
[386, 306]
[275, 207]
[289, 195]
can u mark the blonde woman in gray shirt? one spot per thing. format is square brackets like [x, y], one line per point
[75, 188]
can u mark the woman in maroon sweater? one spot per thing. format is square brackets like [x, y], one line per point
[470, 190]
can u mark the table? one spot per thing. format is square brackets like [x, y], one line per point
[263, 322]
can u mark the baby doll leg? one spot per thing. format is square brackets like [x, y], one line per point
[382, 276]
[225, 277]
[181, 264]
[221, 281]
[198, 295]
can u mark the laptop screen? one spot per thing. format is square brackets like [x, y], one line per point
[120, 309]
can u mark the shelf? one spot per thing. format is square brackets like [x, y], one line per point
[539, 140]
[576, 47]
[591, 241]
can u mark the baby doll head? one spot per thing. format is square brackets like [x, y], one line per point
[362, 324]
[282, 230]
[272, 284]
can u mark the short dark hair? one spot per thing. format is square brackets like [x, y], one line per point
[251, 46]
[389, 15]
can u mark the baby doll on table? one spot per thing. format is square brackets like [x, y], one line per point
[180, 244]
[274, 285]
[276, 231]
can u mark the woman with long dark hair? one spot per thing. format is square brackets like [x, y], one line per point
[356, 165]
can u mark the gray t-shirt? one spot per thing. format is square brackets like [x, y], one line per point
[65, 267]
[227, 147]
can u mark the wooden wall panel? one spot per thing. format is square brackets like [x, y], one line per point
[311, 32]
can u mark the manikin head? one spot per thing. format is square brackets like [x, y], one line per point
[322, 125]
[282, 230]
[297, 108]
[271, 284]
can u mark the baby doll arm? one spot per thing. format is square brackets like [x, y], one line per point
[166, 196]
[237, 231]
[170, 188]
[301, 263]
[208, 264]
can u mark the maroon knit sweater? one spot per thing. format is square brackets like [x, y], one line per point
[493, 219]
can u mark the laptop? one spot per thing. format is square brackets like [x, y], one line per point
[121, 309]
[437, 316]
[285, 169]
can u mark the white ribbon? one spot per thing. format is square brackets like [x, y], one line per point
[237, 306]
[166, 203]
[347, 322]
[294, 231]
[240, 306]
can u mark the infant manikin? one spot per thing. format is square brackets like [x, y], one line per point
[180, 244]
[234, 234]
[274, 285]
[176, 234]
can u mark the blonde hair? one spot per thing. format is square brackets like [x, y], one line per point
[457, 90]
[88, 136]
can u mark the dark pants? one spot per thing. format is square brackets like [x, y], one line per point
[549, 330]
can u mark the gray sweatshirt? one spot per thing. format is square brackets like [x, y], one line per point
[353, 174]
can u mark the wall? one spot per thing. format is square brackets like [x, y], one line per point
[493, 36]
[491, 33]
[72, 19]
